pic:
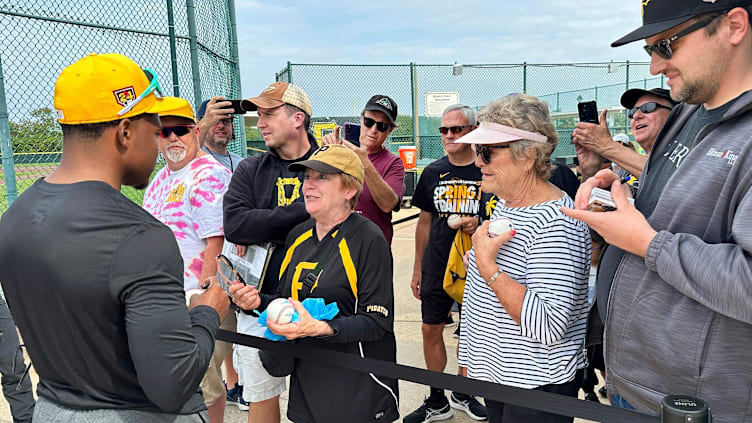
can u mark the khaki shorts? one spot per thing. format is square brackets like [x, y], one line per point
[212, 385]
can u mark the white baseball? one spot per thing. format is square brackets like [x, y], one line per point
[498, 226]
[280, 311]
[454, 221]
[191, 292]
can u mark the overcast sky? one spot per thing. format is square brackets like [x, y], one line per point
[429, 32]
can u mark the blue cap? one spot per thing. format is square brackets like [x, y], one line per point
[202, 110]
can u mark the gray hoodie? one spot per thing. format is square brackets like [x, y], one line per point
[680, 320]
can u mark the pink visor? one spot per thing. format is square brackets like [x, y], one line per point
[493, 133]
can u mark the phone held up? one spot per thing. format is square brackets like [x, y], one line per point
[352, 133]
[236, 109]
[588, 111]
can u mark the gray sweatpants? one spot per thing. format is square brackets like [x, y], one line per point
[12, 367]
[47, 411]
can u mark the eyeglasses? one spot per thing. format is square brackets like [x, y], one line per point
[178, 130]
[153, 87]
[646, 108]
[663, 47]
[381, 126]
[227, 272]
[484, 151]
[453, 129]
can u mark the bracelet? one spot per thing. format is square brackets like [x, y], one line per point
[493, 278]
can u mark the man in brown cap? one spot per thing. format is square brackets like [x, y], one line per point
[679, 268]
[263, 203]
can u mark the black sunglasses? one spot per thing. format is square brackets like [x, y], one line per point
[454, 129]
[178, 130]
[381, 126]
[663, 47]
[484, 151]
[646, 108]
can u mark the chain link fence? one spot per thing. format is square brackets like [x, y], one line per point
[339, 92]
[190, 44]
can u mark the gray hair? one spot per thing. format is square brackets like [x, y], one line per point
[466, 111]
[526, 112]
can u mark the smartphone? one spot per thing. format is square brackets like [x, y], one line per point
[352, 133]
[588, 111]
[236, 109]
[601, 201]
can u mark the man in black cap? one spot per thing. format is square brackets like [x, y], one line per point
[648, 111]
[384, 171]
[678, 273]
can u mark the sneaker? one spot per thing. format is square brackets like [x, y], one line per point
[449, 322]
[603, 392]
[426, 413]
[590, 396]
[235, 396]
[456, 334]
[471, 406]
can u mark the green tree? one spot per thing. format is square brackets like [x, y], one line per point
[40, 133]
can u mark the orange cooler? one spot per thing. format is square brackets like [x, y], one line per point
[409, 156]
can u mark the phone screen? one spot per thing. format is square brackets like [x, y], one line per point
[352, 133]
[588, 111]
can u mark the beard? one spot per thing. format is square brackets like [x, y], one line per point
[175, 156]
[218, 143]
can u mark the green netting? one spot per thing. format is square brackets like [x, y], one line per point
[38, 38]
[339, 92]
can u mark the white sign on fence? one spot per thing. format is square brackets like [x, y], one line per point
[437, 102]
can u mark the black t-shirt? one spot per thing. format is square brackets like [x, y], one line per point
[661, 168]
[355, 271]
[443, 190]
[565, 179]
[95, 285]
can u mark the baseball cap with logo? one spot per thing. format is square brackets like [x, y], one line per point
[105, 88]
[277, 94]
[175, 106]
[384, 104]
[630, 97]
[332, 158]
[661, 15]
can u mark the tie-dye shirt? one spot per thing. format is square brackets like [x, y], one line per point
[189, 201]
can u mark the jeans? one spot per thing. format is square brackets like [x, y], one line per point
[618, 401]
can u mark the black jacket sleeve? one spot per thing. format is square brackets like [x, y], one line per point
[248, 222]
[170, 346]
[375, 312]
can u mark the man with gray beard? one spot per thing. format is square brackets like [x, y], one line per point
[186, 195]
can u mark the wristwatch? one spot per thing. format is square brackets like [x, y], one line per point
[493, 278]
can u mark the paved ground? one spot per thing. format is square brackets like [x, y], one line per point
[406, 327]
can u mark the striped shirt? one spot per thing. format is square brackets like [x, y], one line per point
[550, 256]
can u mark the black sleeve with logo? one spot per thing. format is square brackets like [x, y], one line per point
[443, 190]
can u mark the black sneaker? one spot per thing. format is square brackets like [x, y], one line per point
[235, 396]
[456, 334]
[426, 413]
[471, 406]
[603, 392]
[590, 396]
[449, 322]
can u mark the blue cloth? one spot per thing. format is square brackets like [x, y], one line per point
[315, 307]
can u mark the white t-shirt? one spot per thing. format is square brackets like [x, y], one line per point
[189, 201]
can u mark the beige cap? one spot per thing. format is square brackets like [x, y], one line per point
[332, 158]
[277, 94]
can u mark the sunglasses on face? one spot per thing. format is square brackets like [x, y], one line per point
[456, 130]
[484, 151]
[178, 130]
[381, 126]
[663, 47]
[646, 108]
[153, 87]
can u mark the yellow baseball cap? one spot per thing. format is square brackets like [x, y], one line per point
[104, 88]
[332, 158]
[176, 106]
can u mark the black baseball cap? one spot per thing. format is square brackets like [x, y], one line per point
[202, 110]
[630, 97]
[660, 15]
[384, 104]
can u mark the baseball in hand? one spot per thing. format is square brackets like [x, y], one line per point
[454, 221]
[498, 226]
[280, 311]
[191, 292]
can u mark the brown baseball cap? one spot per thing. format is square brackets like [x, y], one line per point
[332, 158]
[277, 94]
